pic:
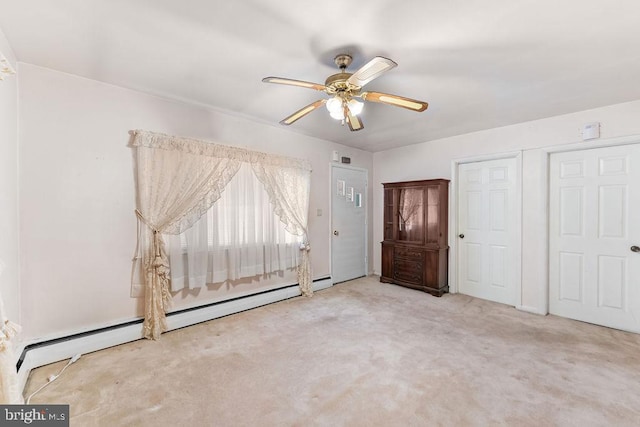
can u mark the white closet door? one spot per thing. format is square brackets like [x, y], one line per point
[488, 256]
[594, 227]
[349, 223]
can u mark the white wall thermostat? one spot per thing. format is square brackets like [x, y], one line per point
[591, 131]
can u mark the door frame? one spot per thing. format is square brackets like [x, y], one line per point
[546, 165]
[453, 220]
[366, 214]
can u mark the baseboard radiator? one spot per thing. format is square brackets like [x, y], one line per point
[46, 352]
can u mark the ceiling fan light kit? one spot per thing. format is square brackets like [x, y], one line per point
[344, 87]
[336, 104]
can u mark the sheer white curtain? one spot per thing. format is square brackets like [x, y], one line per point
[240, 236]
[178, 180]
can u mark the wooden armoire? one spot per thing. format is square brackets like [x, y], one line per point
[415, 246]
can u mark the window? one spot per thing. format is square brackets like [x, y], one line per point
[239, 237]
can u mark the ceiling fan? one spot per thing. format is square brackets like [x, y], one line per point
[344, 87]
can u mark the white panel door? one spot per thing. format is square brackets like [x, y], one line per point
[594, 214]
[488, 252]
[349, 223]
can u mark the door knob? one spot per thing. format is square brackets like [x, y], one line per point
[635, 248]
[335, 232]
[461, 236]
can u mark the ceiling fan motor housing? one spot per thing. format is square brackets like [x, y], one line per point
[337, 83]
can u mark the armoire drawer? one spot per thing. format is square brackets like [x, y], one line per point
[408, 253]
[408, 276]
[408, 270]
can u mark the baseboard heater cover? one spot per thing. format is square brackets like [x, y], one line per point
[51, 351]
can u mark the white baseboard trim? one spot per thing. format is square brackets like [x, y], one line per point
[62, 348]
[533, 310]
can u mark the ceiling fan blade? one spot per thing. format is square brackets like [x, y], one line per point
[352, 120]
[398, 101]
[303, 112]
[371, 70]
[291, 82]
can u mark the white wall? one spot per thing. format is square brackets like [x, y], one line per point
[9, 247]
[77, 195]
[434, 160]
[77, 227]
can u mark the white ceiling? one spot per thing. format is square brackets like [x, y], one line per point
[479, 63]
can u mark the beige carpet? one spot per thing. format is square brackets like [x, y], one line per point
[361, 353]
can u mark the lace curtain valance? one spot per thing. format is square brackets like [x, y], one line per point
[179, 179]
